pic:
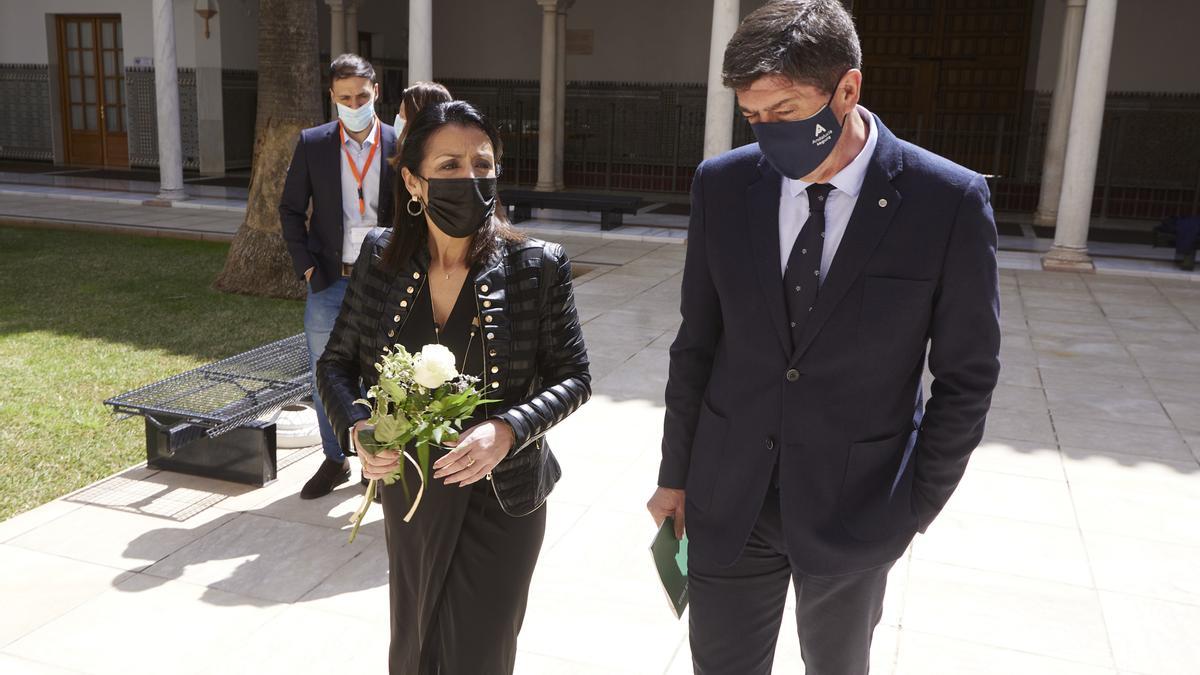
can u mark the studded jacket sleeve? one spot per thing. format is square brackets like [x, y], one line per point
[339, 368]
[562, 382]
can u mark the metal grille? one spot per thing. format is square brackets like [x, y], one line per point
[224, 395]
[25, 111]
[142, 117]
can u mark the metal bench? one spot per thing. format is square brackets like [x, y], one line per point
[210, 421]
[611, 207]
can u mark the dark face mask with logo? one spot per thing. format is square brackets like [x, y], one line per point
[459, 207]
[797, 148]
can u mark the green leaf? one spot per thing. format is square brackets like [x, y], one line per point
[387, 429]
[393, 390]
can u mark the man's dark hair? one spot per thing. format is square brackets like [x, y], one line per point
[409, 232]
[810, 42]
[351, 65]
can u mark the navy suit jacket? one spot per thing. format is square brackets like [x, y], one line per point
[862, 466]
[315, 175]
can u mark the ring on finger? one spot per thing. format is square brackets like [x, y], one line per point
[470, 461]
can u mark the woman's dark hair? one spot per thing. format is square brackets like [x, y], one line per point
[410, 232]
[417, 97]
[810, 42]
[421, 95]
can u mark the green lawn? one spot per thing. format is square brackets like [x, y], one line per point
[87, 316]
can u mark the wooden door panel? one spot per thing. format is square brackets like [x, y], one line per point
[949, 74]
[92, 85]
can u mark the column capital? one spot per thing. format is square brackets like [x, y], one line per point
[565, 5]
[336, 5]
[549, 6]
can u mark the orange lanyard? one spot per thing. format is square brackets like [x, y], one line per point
[359, 175]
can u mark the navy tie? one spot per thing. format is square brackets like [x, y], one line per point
[802, 277]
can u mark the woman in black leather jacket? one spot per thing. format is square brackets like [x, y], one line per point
[453, 271]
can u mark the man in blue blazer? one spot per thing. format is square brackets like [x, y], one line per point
[341, 170]
[822, 263]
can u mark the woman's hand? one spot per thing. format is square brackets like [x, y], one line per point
[477, 451]
[374, 466]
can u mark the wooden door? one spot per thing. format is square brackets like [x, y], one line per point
[92, 78]
[948, 74]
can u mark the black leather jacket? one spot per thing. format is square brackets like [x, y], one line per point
[535, 358]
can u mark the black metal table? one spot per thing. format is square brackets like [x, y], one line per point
[208, 421]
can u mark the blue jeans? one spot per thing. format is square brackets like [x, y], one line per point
[320, 311]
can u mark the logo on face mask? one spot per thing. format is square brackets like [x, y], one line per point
[783, 143]
[822, 136]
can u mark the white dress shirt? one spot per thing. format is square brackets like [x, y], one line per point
[847, 183]
[356, 226]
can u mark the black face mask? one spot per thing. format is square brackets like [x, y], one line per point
[460, 206]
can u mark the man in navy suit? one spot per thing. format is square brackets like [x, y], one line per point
[341, 170]
[822, 262]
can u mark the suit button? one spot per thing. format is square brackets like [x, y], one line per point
[792, 375]
[770, 443]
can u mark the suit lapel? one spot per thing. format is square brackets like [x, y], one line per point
[332, 158]
[762, 200]
[877, 203]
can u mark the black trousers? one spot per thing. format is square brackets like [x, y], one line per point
[736, 611]
[459, 574]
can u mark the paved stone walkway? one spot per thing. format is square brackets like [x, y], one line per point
[1072, 546]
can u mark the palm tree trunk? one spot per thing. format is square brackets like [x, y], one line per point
[289, 100]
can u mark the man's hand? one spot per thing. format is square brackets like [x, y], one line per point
[667, 502]
[308, 274]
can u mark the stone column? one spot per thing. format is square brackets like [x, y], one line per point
[1083, 141]
[560, 92]
[718, 112]
[548, 114]
[420, 41]
[337, 28]
[166, 93]
[352, 28]
[210, 107]
[1060, 115]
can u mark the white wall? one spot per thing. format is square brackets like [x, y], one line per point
[23, 28]
[633, 40]
[1154, 49]
[239, 34]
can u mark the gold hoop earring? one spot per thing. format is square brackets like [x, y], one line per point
[409, 207]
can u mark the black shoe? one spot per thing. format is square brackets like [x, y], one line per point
[378, 490]
[328, 476]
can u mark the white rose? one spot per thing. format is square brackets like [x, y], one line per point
[434, 366]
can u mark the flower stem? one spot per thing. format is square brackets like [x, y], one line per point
[361, 513]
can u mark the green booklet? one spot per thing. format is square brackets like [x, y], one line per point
[670, 558]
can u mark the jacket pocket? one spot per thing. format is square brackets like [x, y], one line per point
[875, 498]
[708, 447]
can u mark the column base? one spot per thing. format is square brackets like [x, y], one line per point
[1045, 218]
[171, 195]
[545, 186]
[1063, 259]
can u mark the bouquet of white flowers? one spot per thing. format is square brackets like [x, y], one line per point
[420, 400]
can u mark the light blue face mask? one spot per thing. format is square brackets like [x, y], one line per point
[357, 119]
[399, 125]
